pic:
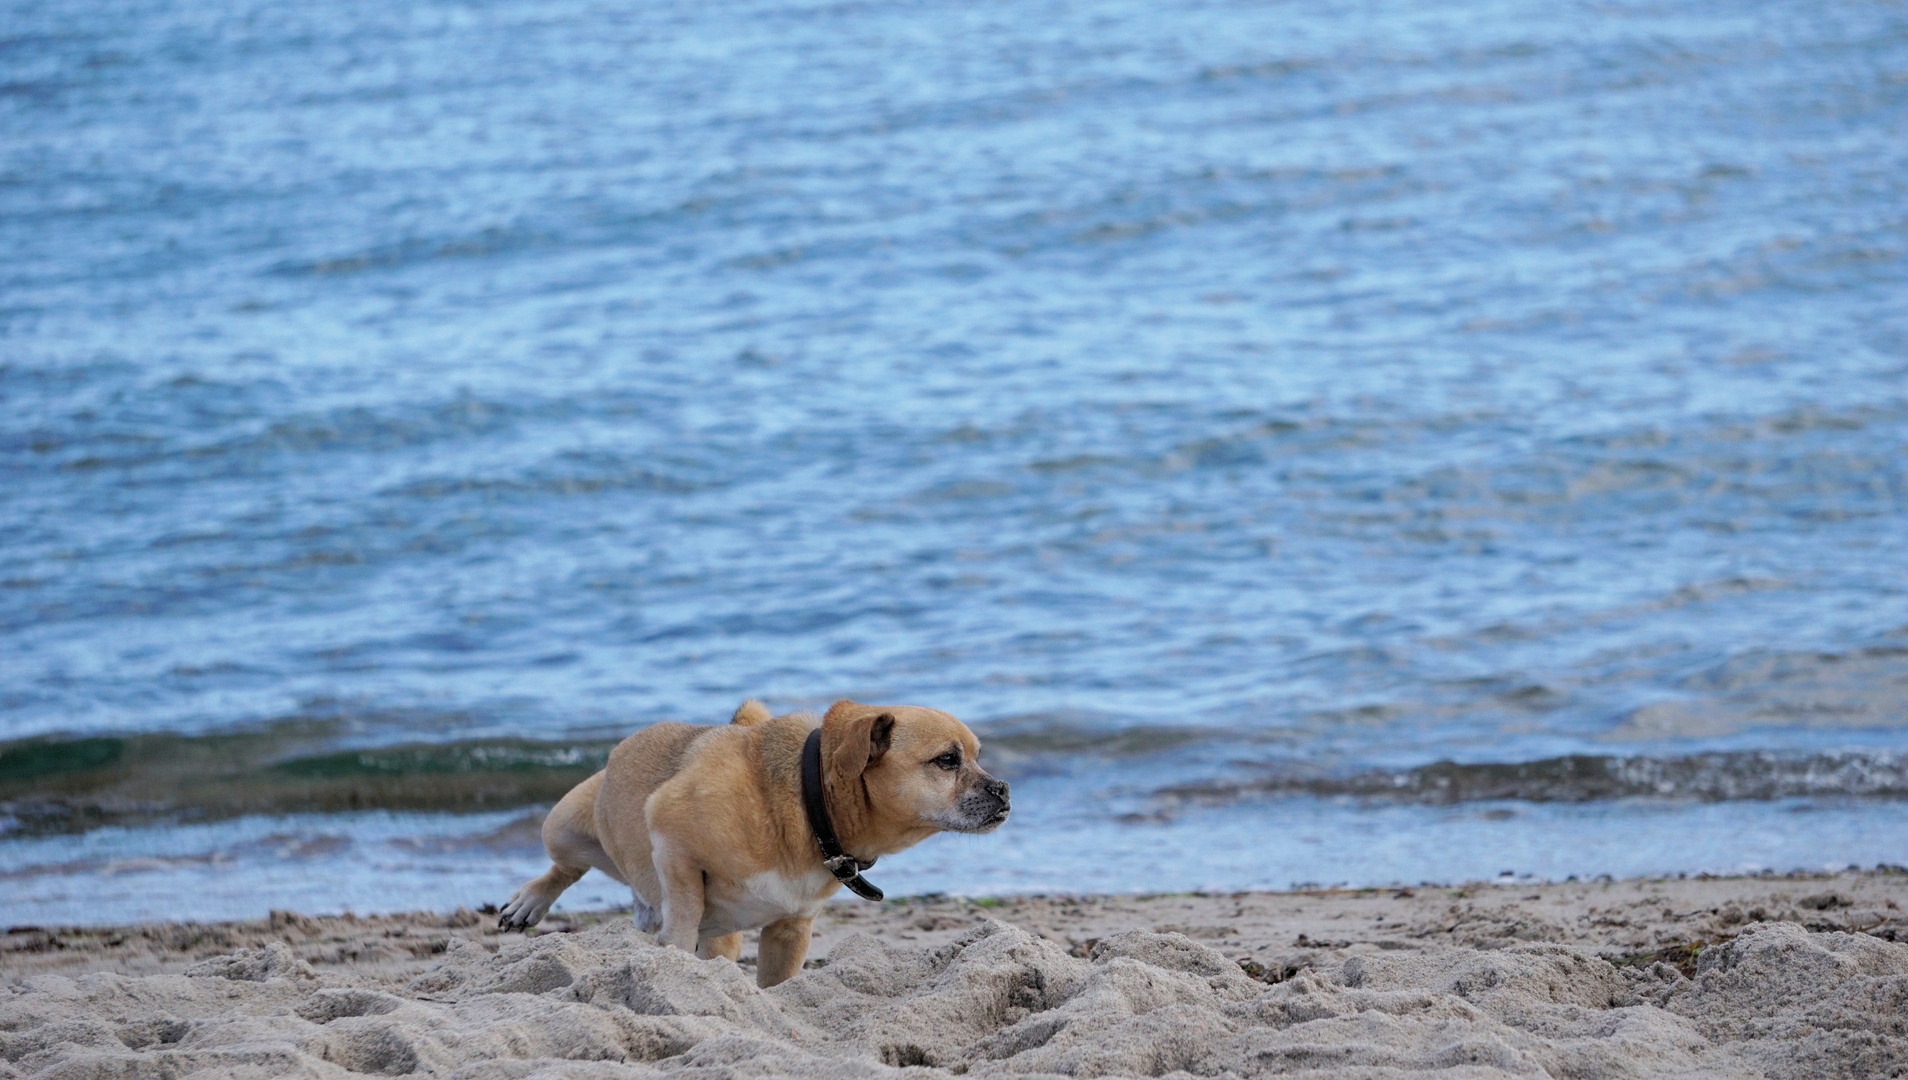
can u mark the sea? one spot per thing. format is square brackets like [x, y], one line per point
[1311, 442]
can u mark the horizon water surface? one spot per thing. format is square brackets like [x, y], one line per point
[1309, 442]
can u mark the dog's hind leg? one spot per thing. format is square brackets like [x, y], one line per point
[527, 907]
[569, 836]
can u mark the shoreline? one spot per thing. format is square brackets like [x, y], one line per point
[380, 861]
[1801, 975]
[1613, 918]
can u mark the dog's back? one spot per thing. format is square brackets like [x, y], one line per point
[646, 760]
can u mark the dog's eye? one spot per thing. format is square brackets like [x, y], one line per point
[949, 761]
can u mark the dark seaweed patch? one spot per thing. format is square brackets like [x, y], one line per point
[1682, 957]
[52, 757]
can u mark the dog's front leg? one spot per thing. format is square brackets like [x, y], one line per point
[784, 946]
[727, 946]
[682, 898]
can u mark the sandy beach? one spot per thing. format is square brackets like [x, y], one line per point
[1795, 976]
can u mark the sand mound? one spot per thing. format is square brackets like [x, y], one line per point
[995, 1001]
[1804, 1005]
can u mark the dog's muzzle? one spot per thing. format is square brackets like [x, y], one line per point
[984, 807]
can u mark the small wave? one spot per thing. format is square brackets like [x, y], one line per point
[549, 484]
[485, 243]
[1027, 737]
[57, 785]
[1712, 777]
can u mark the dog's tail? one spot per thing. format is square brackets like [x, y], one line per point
[750, 713]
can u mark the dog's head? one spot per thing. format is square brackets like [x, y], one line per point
[920, 768]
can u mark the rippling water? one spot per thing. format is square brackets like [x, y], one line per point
[1234, 410]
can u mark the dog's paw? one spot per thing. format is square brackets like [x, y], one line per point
[524, 910]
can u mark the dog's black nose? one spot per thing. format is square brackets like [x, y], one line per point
[996, 788]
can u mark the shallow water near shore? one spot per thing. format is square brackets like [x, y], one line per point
[371, 862]
[1258, 420]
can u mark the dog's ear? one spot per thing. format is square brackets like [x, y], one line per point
[853, 743]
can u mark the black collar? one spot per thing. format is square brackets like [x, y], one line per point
[846, 868]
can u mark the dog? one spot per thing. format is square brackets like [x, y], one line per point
[709, 829]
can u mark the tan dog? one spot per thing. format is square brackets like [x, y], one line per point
[706, 824]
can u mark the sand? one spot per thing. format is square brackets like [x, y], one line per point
[1743, 977]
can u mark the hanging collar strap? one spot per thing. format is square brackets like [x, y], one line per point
[846, 868]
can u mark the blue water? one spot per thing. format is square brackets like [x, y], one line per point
[1185, 391]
